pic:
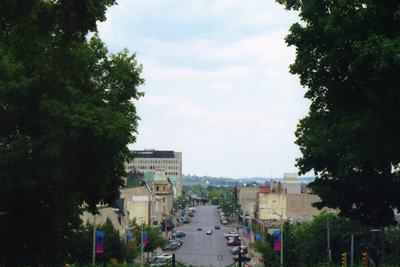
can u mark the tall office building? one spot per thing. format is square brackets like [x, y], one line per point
[147, 161]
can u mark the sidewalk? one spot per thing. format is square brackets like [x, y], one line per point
[255, 256]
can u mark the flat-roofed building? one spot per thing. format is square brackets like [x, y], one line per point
[148, 161]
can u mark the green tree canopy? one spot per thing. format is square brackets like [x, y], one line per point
[66, 118]
[348, 57]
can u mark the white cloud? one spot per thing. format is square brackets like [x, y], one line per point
[217, 82]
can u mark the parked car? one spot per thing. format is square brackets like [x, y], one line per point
[239, 249]
[179, 240]
[179, 234]
[209, 232]
[199, 228]
[171, 246]
[244, 258]
[233, 243]
[217, 227]
[231, 234]
[167, 256]
[179, 244]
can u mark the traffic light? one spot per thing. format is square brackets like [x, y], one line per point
[344, 259]
[365, 259]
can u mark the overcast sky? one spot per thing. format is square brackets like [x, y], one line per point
[217, 87]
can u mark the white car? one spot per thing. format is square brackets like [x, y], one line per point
[230, 234]
[209, 232]
[167, 256]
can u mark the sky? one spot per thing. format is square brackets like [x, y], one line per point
[217, 82]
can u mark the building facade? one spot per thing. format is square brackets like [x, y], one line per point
[148, 161]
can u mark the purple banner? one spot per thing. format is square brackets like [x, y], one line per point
[248, 231]
[99, 242]
[277, 240]
[144, 237]
[167, 222]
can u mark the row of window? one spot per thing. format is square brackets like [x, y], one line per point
[159, 161]
[153, 167]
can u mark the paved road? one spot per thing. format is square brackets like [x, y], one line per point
[201, 249]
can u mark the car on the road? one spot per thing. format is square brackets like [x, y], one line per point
[233, 243]
[224, 222]
[199, 228]
[179, 234]
[209, 232]
[217, 227]
[244, 258]
[171, 246]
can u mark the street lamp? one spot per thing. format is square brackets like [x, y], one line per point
[166, 233]
[281, 229]
[94, 238]
[382, 237]
[142, 245]
[260, 222]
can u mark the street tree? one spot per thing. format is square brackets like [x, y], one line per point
[66, 117]
[348, 59]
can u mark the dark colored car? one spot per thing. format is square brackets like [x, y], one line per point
[244, 258]
[179, 234]
[217, 227]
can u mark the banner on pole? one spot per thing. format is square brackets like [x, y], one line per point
[258, 237]
[277, 240]
[248, 231]
[144, 237]
[128, 237]
[99, 242]
[167, 222]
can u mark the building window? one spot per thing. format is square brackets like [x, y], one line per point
[163, 188]
[163, 200]
[157, 188]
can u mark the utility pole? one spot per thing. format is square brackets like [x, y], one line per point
[94, 241]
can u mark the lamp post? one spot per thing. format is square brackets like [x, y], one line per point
[382, 237]
[166, 233]
[260, 222]
[94, 238]
[94, 241]
[281, 229]
[142, 245]
[327, 240]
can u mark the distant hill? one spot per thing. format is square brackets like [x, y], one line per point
[207, 180]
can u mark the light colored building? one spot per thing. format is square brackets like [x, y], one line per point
[143, 202]
[163, 188]
[291, 184]
[290, 206]
[247, 197]
[119, 222]
[148, 161]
